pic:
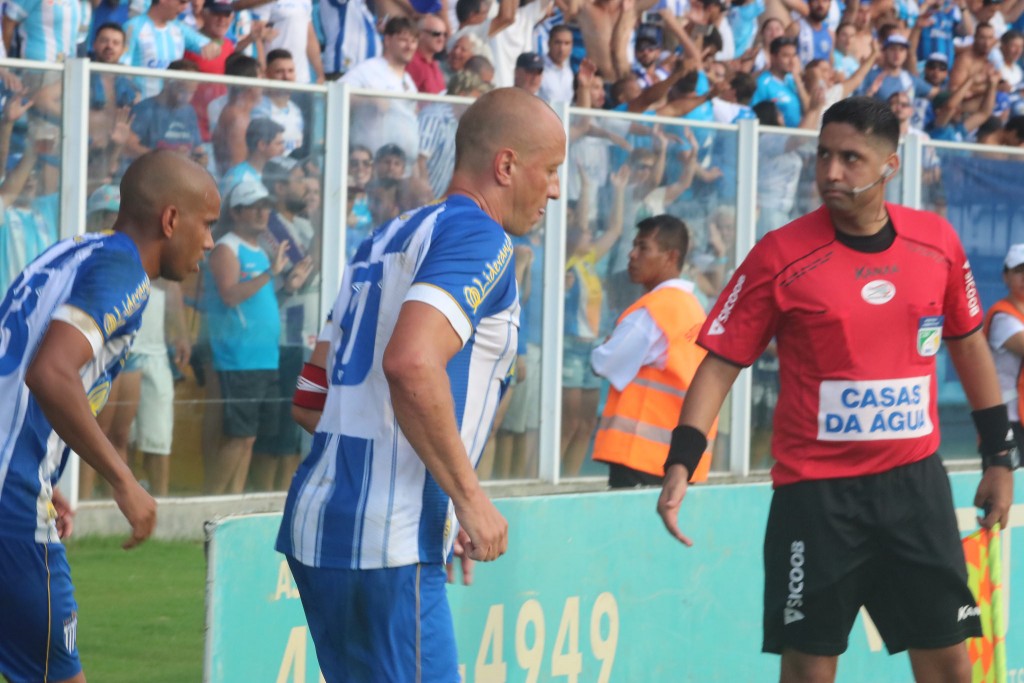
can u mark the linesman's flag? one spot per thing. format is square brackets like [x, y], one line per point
[984, 574]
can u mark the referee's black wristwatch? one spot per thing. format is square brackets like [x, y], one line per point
[1010, 459]
[995, 438]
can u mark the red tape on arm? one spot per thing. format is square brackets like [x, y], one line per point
[311, 388]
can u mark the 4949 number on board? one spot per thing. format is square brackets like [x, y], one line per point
[532, 643]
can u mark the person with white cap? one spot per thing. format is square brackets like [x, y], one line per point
[102, 207]
[244, 325]
[276, 451]
[890, 75]
[1004, 328]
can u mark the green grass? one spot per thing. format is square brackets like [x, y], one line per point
[140, 612]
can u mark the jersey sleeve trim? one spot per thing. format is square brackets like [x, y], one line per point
[954, 337]
[83, 322]
[720, 357]
[437, 297]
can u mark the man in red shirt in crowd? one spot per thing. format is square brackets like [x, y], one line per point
[859, 296]
[424, 69]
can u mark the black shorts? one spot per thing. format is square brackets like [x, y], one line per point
[283, 437]
[887, 541]
[622, 477]
[249, 405]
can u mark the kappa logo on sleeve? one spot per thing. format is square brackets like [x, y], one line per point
[718, 324]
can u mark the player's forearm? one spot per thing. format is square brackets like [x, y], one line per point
[58, 392]
[621, 34]
[707, 392]
[977, 372]
[422, 401]
[313, 54]
[306, 418]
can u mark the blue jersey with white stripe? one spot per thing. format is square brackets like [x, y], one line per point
[97, 284]
[48, 28]
[155, 48]
[363, 499]
[939, 35]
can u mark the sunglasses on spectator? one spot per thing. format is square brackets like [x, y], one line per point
[360, 162]
[936, 65]
[436, 34]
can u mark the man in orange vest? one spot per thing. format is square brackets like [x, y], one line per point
[649, 359]
[1004, 329]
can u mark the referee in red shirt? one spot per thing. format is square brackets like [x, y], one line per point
[859, 295]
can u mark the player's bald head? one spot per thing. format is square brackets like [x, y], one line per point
[506, 118]
[159, 179]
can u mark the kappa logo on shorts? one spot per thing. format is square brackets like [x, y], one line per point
[71, 631]
[878, 292]
[968, 611]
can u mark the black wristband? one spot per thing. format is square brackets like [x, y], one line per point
[687, 446]
[993, 427]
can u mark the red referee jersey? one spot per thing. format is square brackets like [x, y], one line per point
[857, 334]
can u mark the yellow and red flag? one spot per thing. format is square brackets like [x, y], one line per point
[984, 574]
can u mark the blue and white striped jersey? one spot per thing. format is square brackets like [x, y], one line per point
[363, 499]
[438, 124]
[350, 34]
[96, 283]
[48, 28]
[155, 48]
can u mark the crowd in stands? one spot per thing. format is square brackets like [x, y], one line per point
[950, 69]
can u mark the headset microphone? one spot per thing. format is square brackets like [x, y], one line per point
[886, 172]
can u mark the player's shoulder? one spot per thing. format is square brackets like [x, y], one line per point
[138, 22]
[460, 218]
[924, 228]
[796, 239]
[111, 250]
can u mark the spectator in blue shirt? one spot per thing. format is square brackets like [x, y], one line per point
[168, 120]
[933, 81]
[845, 63]
[778, 83]
[889, 76]
[743, 17]
[157, 38]
[48, 30]
[939, 24]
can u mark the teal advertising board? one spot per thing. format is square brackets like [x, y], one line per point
[591, 590]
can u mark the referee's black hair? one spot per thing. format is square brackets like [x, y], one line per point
[867, 115]
[669, 233]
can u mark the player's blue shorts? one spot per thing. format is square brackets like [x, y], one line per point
[379, 625]
[38, 613]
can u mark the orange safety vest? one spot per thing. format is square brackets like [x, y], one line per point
[636, 426]
[1006, 306]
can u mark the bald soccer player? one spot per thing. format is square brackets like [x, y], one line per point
[399, 395]
[69, 320]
